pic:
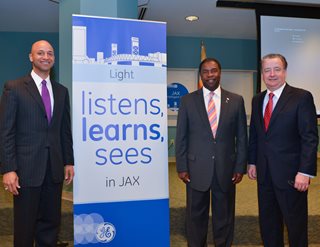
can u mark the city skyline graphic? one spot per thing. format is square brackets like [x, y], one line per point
[114, 44]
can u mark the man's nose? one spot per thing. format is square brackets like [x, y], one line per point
[272, 72]
[46, 56]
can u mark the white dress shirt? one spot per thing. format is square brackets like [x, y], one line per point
[277, 93]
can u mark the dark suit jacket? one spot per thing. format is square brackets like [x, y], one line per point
[290, 144]
[198, 153]
[26, 137]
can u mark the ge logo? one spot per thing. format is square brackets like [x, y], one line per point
[105, 232]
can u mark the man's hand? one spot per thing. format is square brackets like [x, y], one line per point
[69, 174]
[237, 177]
[301, 182]
[252, 172]
[184, 176]
[11, 182]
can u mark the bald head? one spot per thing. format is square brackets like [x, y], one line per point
[42, 58]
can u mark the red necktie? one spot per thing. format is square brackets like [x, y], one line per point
[212, 114]
[268, 112]
[46, 99]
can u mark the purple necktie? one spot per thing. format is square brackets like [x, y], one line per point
[46, 99]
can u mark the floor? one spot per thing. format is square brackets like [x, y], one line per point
[246, 212]
[246, 206]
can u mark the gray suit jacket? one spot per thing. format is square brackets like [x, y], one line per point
[26, 138]
[198, 153]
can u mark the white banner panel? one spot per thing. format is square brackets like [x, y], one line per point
[120, 132]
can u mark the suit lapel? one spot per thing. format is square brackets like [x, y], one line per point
[56, 95]
[201, 107]
[225, 102]
[34, 92]
[284, 97]
[260, 108]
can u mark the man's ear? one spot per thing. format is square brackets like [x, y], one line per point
[30, 58]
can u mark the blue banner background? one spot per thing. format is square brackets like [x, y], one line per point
[150, 230]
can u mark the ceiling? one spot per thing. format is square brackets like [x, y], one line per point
[218, 22]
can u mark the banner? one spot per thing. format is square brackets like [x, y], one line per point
[120, 132]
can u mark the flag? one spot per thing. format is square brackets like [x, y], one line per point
[203, 57]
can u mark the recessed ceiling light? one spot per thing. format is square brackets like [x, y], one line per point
[192, 18]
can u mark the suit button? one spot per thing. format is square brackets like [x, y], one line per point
[212, 157]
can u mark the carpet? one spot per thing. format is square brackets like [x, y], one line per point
[246, 227]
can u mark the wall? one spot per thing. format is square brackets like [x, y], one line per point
[15, 48]
[110, 8]
[183, 52]
[233, 54]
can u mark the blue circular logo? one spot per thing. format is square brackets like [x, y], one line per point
[175, 91]
[105, 232]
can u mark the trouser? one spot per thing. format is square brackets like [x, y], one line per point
[279, 206]
[223, 210]
[37, 214]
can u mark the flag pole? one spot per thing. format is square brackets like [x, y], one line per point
[203, 56]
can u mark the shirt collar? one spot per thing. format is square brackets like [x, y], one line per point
[37, 79]
[277, 92]
[217, 92]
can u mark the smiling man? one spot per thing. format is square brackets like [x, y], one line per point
[36, 149]
[282, 154]
[211, 155]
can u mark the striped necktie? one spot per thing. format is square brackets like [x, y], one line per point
[212, 114]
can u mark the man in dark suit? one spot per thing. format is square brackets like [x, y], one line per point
[36, 149]
[211, 160]
[282, 154]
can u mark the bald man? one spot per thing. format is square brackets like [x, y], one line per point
[36, 149]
